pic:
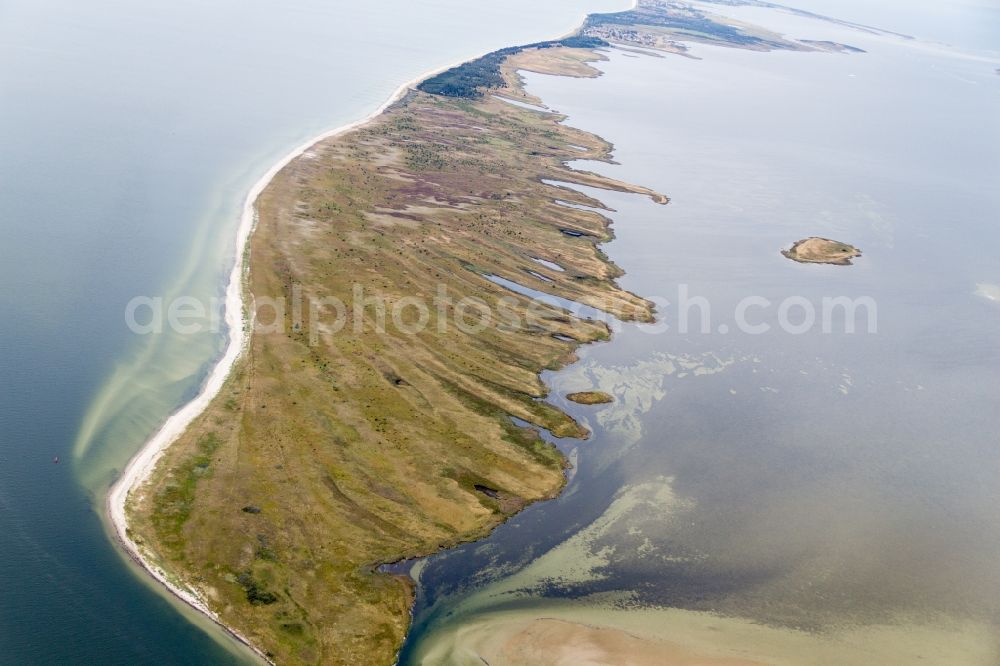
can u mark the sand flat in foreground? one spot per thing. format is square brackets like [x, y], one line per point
[572, 633]
[552, 642]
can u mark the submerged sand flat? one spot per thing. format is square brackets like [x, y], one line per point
[572, 634]
[548, 641]
[617, 628]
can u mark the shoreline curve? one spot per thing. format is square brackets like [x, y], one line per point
[142, 464]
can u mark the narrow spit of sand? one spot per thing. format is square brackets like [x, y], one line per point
[144, 462]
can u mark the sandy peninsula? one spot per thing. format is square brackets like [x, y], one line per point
[141, 466]
[371, 445]
[332, 444]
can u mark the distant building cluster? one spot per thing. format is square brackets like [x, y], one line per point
[616, 33]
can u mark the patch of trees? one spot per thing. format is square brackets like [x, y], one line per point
[470, 79]
[256, 595]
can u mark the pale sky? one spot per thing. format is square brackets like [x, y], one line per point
[972, 24]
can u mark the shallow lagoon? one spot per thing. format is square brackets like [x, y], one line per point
[838, 491]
